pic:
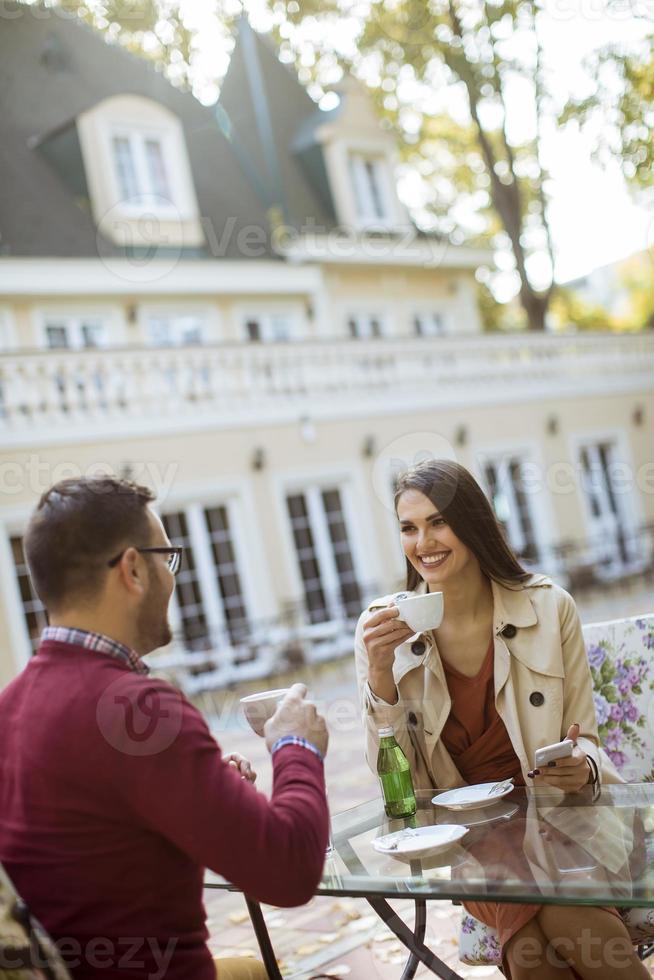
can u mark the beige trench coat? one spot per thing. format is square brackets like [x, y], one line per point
[542, 685]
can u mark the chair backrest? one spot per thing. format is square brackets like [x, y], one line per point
[621, 657]
[26, 950]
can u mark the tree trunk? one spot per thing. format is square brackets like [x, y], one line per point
[535, 306]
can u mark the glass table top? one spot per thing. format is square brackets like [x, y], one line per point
[534, 845]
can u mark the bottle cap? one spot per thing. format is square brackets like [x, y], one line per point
[385, 732]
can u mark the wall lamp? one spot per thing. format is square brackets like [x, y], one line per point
[552, 425]
[369, 447]
[258, 460]
[638, 416]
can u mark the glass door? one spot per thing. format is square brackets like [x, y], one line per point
[613, 536]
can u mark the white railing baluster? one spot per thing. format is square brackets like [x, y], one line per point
[97, 387]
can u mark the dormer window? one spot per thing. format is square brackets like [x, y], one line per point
[137, 166]
[371, 190]
[140, 168]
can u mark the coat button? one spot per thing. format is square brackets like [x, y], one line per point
[509, 631]
[412, 718]
[537, 699]
[418, 648]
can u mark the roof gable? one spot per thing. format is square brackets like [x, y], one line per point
[266, 107]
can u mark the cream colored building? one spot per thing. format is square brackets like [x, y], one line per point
[233, 307]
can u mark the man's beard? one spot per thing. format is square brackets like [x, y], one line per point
[152, 625]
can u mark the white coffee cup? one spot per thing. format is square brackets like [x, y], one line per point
[258, 708]
[420, 612]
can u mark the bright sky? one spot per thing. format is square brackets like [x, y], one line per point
[593, 215]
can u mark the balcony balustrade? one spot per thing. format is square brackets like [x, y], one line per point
[55, 394]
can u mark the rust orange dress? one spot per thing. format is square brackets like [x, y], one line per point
[477, 739]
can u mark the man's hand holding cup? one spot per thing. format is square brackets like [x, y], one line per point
[298, 717]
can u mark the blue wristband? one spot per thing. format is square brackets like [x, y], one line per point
[295, 740]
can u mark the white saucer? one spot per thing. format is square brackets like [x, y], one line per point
[473, 797]
[419, 842]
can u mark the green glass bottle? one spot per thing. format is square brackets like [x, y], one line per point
[395, 776]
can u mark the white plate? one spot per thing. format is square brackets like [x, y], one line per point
[473, 797]
[419, 842]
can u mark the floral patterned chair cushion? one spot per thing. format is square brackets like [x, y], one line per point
[479, 945]
[619, 653]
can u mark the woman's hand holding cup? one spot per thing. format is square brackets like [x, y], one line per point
[383, 632]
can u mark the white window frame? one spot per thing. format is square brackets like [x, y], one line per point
[357, 162]
[7, 331]
[267, 331]
[206, 313]
[73, 322]
[137, 136]
[175, 609]
[540, 511]
[15, 524]
[211, 598]
[174, 324]
[628, 503]
[433, 323]
[363, 320]
[312, 485]
[511, 520]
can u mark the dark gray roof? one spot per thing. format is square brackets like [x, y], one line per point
[244, 153]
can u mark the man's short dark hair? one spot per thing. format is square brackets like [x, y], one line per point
[77, 527]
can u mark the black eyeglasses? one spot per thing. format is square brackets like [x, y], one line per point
[174, 559]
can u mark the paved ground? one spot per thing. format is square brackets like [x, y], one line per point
[340, 937]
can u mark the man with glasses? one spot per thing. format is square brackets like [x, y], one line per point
[114, 796]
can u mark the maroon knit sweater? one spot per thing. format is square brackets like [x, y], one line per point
[114, 798]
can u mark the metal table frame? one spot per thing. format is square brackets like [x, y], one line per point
[412, 939]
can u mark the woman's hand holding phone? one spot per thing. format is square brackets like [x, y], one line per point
[569, 774]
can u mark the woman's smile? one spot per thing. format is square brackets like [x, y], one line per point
[433, 559]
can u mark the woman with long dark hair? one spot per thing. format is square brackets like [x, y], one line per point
[503, 675]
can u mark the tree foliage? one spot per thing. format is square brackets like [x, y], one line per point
[620, 110]
[449, 75]
[154, 28]
[631, 290]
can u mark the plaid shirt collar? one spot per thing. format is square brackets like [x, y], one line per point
[97, 642]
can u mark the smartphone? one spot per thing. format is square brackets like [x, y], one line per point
[560, 750]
